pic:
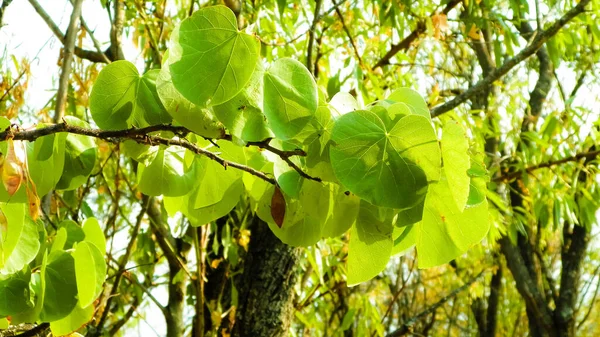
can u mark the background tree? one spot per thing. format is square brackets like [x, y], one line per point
[518, 77]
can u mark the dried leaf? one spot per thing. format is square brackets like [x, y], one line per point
[440, 25]
[278, 207]
[33, 200]
[12, 170]
[474, 33]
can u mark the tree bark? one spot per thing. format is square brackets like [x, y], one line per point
[266, 287]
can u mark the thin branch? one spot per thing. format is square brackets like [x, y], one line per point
[93, 38]
[292, 40]
[495, 74]
[90, 55]
[406, 326]
[407, 41]
[37, 330]
[311, 35]
[582, 155]
[69, 45]
[5, 4]
[122, 264]
[116, 30]
[15, 82]
[140, 135]
[339, 13]
[163, 236]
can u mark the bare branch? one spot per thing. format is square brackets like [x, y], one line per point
[69, 45]
[339, 13]
[495, 74]
[90, 55]
[406, 326]
[142, 136]
[589, 155]
[311, 36]
[407, 41]
[121, 268]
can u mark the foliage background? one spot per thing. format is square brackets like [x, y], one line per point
[543, 110]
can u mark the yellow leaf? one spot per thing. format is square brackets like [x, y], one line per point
[474, 33]
[33, 201]
[440, 25]
[12, 172]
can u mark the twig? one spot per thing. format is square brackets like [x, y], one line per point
[311, 35]
[495, 74]
[140, 135]
[14, 83]
[339, 13]
[406, 326]
[292, 40]
[582, 155]
[122, 264]
[40, 328]
[92, 37]
[407, 41]
[82, 53]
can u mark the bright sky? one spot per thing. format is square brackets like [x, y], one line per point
[25, 34]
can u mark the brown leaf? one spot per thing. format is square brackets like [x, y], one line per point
[12, 171]
[33, 200]
[278, 207]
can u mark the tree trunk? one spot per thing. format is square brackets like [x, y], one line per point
[266, 287]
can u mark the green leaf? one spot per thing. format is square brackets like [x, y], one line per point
[121, 98]
[370, 244]
[200, 120]
[204, 215]
[298, 228]
[211, 190]
[60, 286]
[384, 167]
[214, 179]
[343, 215]
[411, 98]
[90, 270]
[80, 157]
[445, 231]
[410, 216]
[74, 233]
[59, 240]
[316, 199]
[168, 174]
[404, 239]
[14, 293]
[46, 160]
[342, 103]
[21, 242]
[211, 61]
[455, 153]
[243, 115]
[73, 322]
[291, 97]
[94, 234]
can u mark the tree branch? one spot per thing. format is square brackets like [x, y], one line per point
[121, 269]
[69, 45]
[339, 14]
[526, 284]
[407, 326]
[582, 155]
[90, 55]
[311, 35]
[407, 41]
[141, 136]
[117, 30]
[532, 48]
